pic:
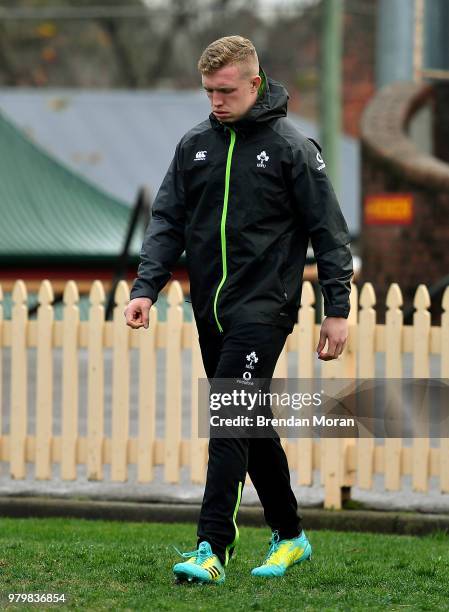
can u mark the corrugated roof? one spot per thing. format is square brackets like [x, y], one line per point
[121, 140]
[48, 211]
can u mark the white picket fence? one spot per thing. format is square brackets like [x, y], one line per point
[341, 462]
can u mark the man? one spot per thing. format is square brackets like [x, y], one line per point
[242, 196]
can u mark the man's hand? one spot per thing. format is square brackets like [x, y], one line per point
[335, 331]
[137, 312]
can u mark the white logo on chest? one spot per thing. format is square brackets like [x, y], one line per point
[262, 157]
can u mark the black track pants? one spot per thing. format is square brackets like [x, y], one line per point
[225, 356]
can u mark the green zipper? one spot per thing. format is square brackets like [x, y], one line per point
[223, 225]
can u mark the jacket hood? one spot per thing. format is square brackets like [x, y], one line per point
[270, 104]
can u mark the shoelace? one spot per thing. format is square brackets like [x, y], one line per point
[274, 544]
[201, 553]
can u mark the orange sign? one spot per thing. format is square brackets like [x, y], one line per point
[389, 209]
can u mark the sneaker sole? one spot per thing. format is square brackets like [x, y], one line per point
[182, 578]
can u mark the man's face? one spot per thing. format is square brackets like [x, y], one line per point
[231, 92]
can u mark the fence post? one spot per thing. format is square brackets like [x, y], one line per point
[393, 369]
[18, 429]
[95, 383]
[70, 382]
[335, 475]
[421, 369]
[367, 368]
[306, 355]
[120, 387]
[147, 398]
[173, 397]
[44, 391]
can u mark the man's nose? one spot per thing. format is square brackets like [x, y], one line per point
[217, 100]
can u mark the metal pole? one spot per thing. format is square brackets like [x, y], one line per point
[331, 86]
[418, 43]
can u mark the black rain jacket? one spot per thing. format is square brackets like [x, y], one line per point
[242, 200]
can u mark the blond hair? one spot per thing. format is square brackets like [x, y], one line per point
[229, 50]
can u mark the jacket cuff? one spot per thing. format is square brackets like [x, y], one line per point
[142, 289]
[337, 311]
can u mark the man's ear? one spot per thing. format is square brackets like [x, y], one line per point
[255, 82]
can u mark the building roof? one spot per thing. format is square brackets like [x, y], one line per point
[49, 212]
[121, 140]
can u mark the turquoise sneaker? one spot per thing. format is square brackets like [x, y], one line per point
[202, 567]
[283, 554]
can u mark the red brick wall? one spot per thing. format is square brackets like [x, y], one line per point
[411, 254]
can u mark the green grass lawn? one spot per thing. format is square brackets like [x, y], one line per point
[103, 565]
